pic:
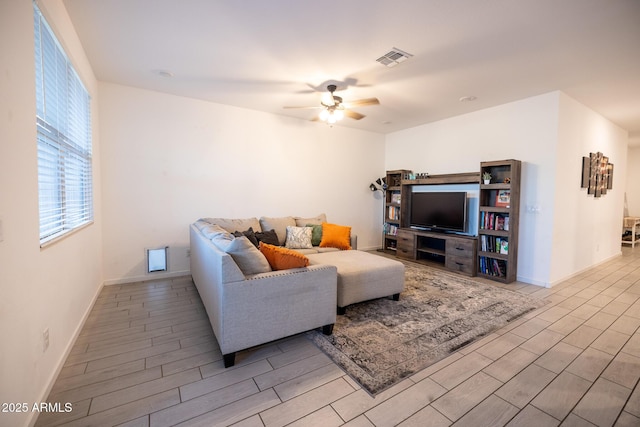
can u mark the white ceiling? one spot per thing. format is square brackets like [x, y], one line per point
[264, 55]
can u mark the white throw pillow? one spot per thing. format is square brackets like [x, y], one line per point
[279, 225]
[249, 259]
[298, 237]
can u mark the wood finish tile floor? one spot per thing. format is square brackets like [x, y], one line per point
[147, 357]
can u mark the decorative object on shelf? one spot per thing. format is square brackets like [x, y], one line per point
[597, 174]
[486, 177]
[503, 198]
[414, 176]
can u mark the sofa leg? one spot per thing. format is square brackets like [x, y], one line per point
[396, 297]
[341, 311]
[229, 359]
[327, 329]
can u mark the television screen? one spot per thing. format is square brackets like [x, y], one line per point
[444, 211]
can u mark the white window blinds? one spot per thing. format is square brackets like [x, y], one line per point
[63, 121]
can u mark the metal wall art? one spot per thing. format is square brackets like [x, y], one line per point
[597, 174]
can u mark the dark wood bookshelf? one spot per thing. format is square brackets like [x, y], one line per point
[498, 220]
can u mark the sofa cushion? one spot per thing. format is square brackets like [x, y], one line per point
[316, 220]
[211, 231]
[282, 258]
[336, 236]
[222, 242]
[269, 237]
[279, 225]
[249, 234]
[298, 237]
[233, 224]
[316, 234]
[249, 259]
[327, 249]
[313, 250]
[201, 223]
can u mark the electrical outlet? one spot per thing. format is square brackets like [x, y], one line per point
[45, 340]
[188, 252]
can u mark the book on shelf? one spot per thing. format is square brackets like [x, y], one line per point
[394, 213]
[492, 267]
[495, 244]
[390, 229]
[494, 221]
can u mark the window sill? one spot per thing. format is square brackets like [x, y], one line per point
[49, 241]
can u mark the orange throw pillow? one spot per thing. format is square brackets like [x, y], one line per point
[280, 258]
[335, 236]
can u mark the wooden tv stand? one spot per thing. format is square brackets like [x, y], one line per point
[452, 251]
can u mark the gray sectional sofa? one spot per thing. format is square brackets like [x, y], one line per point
[249, 304]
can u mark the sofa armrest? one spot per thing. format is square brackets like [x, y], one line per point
[269, 306]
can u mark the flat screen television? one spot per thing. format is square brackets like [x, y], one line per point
[439, 211]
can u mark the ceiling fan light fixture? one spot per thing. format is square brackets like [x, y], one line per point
[333, 109]
[327, 99]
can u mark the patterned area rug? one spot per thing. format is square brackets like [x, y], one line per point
[382, 341]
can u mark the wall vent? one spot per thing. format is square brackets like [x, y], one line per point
[394, 57]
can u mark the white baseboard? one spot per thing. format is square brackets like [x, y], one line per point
[612, 257]
[33, 417]
[146, 277]
[534, 282]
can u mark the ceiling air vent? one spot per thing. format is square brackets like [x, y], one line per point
[394, 57]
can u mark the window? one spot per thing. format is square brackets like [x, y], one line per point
[63, 122]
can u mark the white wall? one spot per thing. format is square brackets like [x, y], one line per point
[168, 161]
[562, 230]
[633, 181]
[586, 229]
[41, 288]
[525, 130]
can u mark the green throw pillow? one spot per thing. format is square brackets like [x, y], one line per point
[316, 234]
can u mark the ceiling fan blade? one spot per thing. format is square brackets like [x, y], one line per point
[353, 115]
[363, 102]
[303, 108]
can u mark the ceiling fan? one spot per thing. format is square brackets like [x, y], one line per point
[334, 108]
